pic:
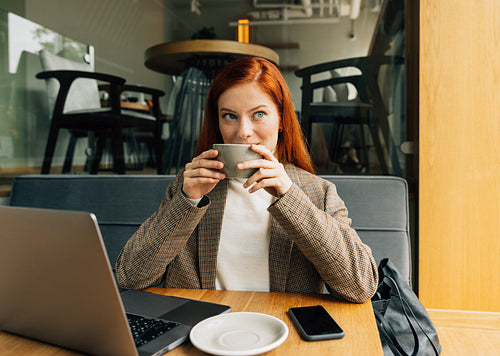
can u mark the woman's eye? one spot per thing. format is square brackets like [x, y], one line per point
[229, 116]
[259, 114]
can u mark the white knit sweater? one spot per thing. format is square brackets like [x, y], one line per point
[243, 258]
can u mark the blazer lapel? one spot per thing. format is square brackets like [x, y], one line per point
[280, 248]
[208, 235]
[280, 251]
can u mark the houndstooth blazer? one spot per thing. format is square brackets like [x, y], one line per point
[311, 243]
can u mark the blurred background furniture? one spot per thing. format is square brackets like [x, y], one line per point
[75, 104]
[368, 108]
[187, 106]
[209, 55]
[194, 63]
[134, 102]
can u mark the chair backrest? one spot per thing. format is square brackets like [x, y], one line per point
[84, 92]
[378, 206]
[336, 92]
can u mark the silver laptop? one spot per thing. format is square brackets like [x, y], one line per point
[57, 286]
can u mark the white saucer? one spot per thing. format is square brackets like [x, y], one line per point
[238, 334]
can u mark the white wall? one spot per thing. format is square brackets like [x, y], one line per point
[119, 30]
[318, 42]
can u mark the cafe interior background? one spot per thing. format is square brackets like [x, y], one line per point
[119, 32]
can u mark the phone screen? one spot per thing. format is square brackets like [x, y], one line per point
[315, 322]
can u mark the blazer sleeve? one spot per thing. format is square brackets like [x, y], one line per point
[145, 257]
[324, 235]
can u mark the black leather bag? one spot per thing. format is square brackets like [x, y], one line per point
[403, 324]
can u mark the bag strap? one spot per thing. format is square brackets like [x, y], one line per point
[388, 333]
[418, 323]
[405, 306]
[394, 344]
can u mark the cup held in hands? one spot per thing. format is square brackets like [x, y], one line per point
[231, 155]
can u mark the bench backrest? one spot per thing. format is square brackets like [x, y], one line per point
[120, 203]
[378, 206]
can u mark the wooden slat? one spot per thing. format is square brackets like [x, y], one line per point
[456, 341]
[467, 333]
[459, 205]
[465, 319]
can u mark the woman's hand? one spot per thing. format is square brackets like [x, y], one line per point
[202, 175]
[271, 174]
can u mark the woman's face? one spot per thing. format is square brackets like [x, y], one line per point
[248, 115]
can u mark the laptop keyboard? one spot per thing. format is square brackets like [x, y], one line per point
[146, 329]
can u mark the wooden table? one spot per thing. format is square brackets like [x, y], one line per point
[173, 57]
[357, 320]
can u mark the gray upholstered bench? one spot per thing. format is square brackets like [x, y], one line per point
[378, 206]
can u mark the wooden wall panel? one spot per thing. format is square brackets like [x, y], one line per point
[459, 206]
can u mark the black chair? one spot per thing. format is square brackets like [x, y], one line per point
[368, 109]
[143, 134]
[79, 111]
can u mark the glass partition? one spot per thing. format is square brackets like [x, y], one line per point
[310, 32]
[302, 32]
[24, 111]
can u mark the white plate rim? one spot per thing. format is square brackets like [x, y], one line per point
[221, 352]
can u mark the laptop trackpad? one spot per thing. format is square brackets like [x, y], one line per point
[149, 304]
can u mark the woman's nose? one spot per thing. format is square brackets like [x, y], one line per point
[245, 128]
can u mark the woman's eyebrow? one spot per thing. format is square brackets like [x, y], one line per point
[252, 109]
[263, 106]
[225, 109]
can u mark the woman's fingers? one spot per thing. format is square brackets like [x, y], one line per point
[202, 174]
[264, 151]
[205, 160]
[271, 174]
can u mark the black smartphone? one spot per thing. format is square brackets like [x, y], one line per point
[315, 323]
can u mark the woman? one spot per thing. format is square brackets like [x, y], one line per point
[284, 229]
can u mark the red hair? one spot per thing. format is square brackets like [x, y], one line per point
[291, 147]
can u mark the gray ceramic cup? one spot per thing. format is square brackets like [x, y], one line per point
[231, 155]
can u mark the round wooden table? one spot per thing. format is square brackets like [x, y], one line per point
[173, 57]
